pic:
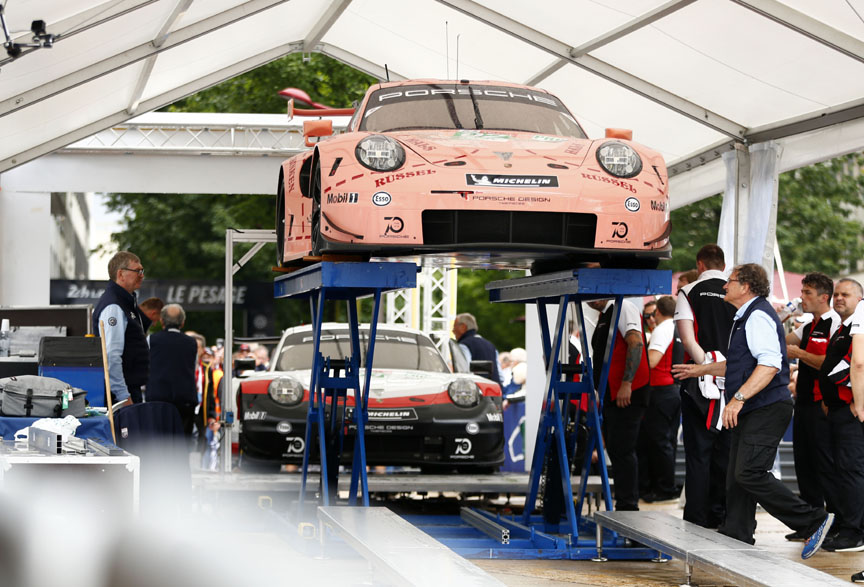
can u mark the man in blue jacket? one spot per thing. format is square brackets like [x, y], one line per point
[173, 359]
[125, 341]
[758, 411]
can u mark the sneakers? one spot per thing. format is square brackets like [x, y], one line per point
[841, 543]
[815, 541]
[798, 536]
[858, 577]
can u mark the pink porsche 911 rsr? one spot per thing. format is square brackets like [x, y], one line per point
[473, 174]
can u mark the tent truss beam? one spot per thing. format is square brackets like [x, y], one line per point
[359, 63]
[176, 14]
[325, 23]
[153, 103]
[141, 52]
[625, 29]
[807, 26]
[593, 65]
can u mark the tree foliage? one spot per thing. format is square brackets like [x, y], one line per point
[183, 235]
[503, 324]
[819, 223]
[326, 81]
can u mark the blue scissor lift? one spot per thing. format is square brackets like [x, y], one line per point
[530, 536]
[332, 377]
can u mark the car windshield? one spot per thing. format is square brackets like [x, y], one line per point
[458, 106]
[393, 350]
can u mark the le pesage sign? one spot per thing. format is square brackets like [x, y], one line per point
[191, 294]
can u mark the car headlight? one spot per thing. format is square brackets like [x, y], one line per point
[464, 392]
[285, 391]
[619, 159]
[380, 153]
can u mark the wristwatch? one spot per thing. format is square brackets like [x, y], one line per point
[740, 397]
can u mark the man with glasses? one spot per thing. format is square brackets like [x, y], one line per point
[758, 410]
[124, 332]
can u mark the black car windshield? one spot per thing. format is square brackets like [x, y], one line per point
[393, 350]
[471, 107]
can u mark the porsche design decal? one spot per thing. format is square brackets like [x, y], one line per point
[506, 181]
[511, 200]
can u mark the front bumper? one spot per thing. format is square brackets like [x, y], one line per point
[442, 435]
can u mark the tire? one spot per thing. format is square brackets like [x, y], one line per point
[280, 220]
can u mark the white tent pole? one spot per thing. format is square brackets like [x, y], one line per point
[782, 274]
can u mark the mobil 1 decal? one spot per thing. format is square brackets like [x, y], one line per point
[511, 181]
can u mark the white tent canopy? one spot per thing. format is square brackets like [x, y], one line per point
[690, 77]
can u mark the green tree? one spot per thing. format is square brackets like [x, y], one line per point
[503, 324]
[183, 235]
[326, 80]
[818, 226]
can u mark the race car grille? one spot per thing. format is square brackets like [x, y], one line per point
[462, 227]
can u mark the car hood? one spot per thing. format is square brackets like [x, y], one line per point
[479, 147]
[388, 383]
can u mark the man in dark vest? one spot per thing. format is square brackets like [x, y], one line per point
[758, 410]
[847, 433]
[475, 346]
[173, 358]
[626, 394]
[814, 461]
[704, 320]
[125, 341]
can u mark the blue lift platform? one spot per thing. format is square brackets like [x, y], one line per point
[550, 536]
[332, 377]
[476, 533]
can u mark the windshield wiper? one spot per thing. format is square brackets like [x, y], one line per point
[478, 120]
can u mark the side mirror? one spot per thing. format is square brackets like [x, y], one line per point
[619, 133]
[457, 357]
[316, 128]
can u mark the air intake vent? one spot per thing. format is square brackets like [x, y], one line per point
[463, 227]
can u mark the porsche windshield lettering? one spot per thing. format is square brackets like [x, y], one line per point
[462, 107]
[464, 92]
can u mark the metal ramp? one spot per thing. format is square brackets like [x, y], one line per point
[399, 551]
[725, 557]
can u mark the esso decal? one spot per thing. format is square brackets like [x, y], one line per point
[631, 204]
[472, 428]
[283, 427]
[383, 198]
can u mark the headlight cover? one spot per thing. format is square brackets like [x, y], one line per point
[464, 392]
[619, 159]
[286, 391]
[380, 153]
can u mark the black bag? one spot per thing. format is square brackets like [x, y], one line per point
[40, 397]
